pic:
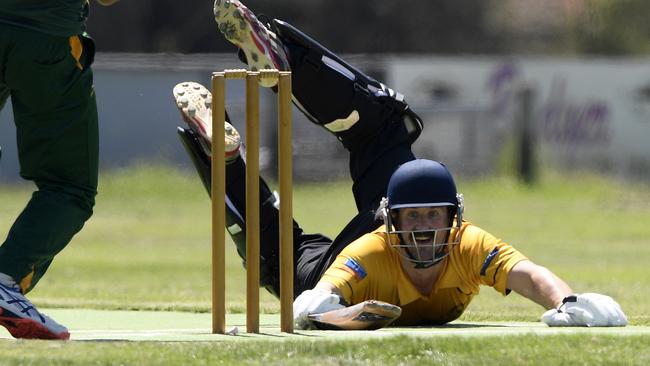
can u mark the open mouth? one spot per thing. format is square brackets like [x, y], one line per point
[426, 247]
[424, 238]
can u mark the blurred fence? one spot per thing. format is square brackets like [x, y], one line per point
[589, 114]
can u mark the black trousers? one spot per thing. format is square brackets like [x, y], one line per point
[378, 143]
[372, 161]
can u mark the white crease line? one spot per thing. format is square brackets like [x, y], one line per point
[128, 331]
[419, 332]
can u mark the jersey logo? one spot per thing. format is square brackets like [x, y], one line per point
[489, 260]
[358, 271]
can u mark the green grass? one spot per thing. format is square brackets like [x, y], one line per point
[147, 247]
[402, 350]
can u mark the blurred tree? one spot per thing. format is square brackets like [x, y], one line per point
[613, 27]
[532, 26]
[155, 26]
[360, 26]
[389, 26]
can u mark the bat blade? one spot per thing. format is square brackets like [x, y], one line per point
[367, 315]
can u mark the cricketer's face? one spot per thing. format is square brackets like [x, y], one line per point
[420, 230]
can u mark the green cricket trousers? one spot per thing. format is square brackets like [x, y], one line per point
[51, 87]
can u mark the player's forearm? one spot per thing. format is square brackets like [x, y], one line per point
[538, 284]
[549, 288]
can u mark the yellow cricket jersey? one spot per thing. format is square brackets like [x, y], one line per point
[369, 269]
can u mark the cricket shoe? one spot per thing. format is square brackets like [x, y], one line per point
[22, 320]
[194, 101]
[261, 47]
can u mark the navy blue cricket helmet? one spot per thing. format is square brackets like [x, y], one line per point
[420, 183]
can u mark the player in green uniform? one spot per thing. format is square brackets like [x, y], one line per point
[45, 66]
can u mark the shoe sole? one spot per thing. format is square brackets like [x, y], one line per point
[28, 329]
[241, 27]
[194, 101]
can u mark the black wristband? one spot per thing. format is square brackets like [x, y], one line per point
[570, 298]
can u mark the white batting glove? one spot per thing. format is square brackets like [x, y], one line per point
[313, 302]
[589, 309]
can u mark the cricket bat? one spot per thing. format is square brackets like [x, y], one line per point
[367, 315]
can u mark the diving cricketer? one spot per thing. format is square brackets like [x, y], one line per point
[410, 244]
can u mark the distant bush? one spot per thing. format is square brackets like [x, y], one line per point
[613, 27]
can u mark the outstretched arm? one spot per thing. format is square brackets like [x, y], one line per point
[538, 284]
[564, 308]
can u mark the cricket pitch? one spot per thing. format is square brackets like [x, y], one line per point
[108, 325]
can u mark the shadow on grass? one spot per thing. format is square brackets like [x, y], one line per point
[452, 326]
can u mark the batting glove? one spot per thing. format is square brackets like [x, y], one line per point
[589, 309]
[313, 302]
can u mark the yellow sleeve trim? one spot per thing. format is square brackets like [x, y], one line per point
[76, 49]
[26, 282]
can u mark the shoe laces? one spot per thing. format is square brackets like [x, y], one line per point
[18, 299]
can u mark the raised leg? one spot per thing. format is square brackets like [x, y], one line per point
[338, 96]
[371, 120]
[191, 100]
